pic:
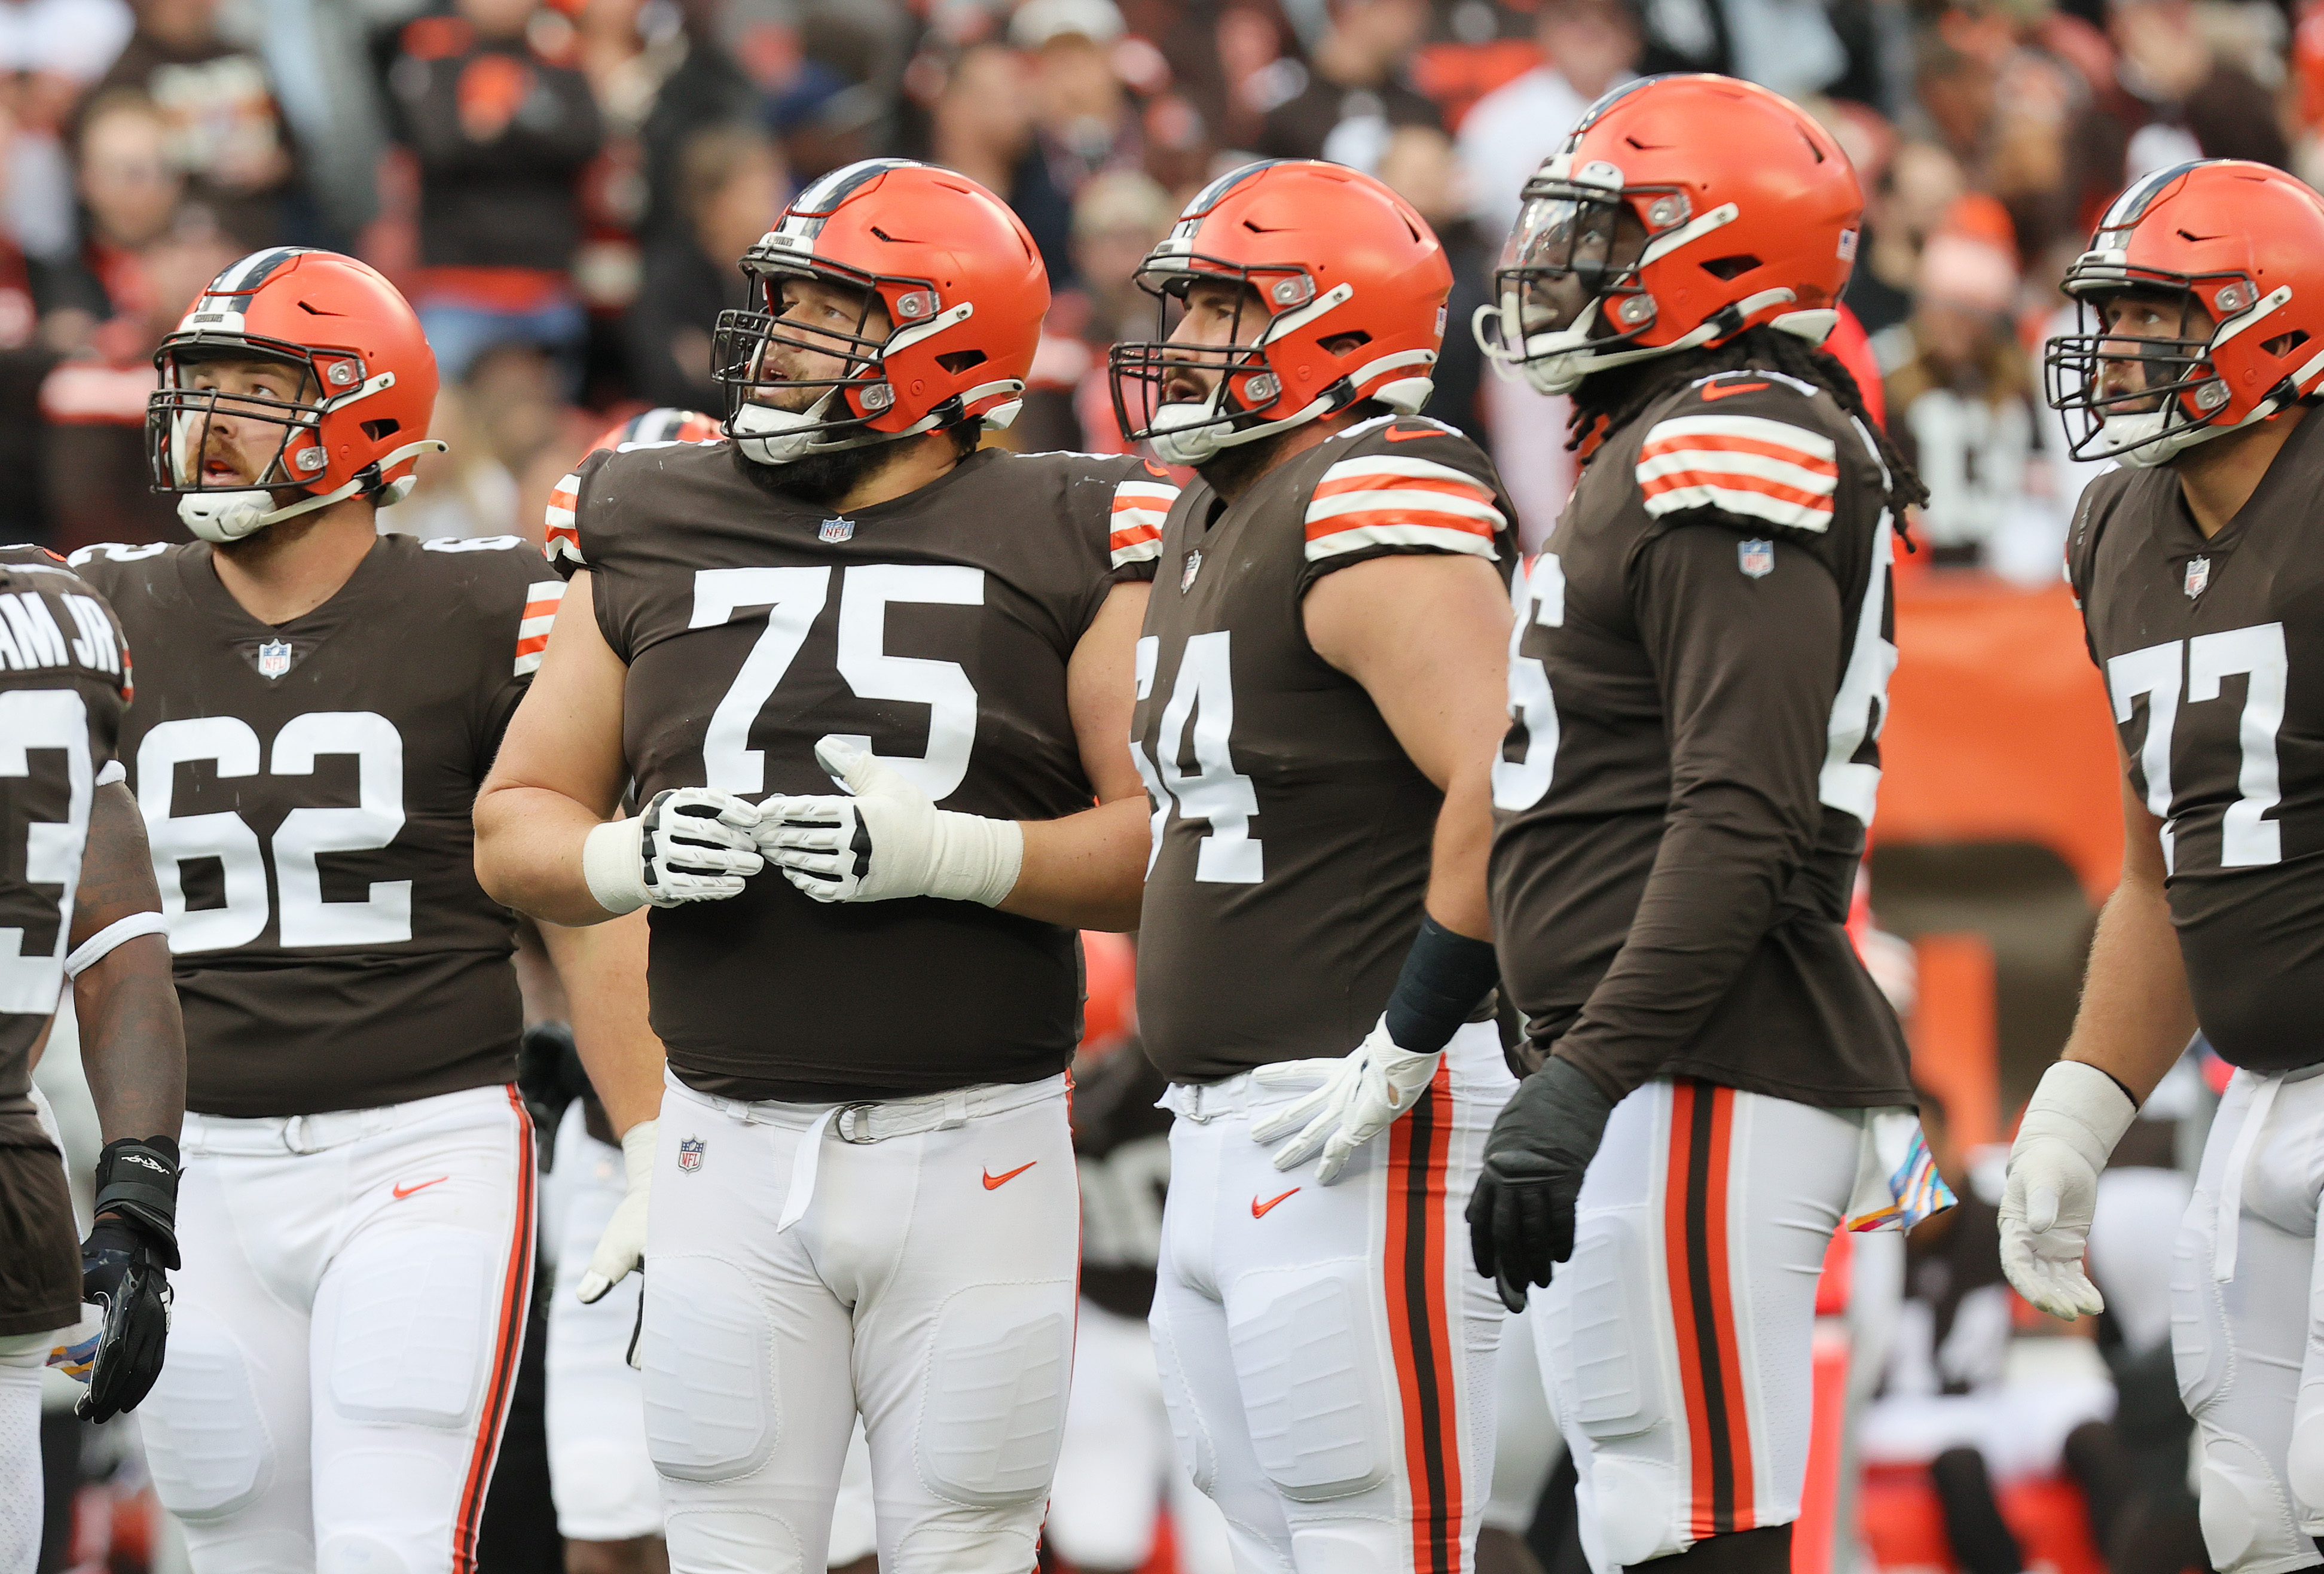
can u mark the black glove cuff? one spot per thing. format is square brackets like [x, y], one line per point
[1445, 978]
[1583, 1109]
[137, 1179]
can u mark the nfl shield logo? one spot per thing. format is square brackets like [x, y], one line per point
[2199, 576]
[1756, 557]
[838, 530]
[274, 658]
[689, 1155]
[1193, 565]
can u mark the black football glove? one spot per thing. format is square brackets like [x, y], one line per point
[121, 1269]
[548, 1074]
[1521, 1214]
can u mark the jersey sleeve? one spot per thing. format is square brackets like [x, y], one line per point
[514, 601]
[1742, 653]
[1407, 485]
[561, 537]
[2090, 510]
[1748, 447]
[1142, 500]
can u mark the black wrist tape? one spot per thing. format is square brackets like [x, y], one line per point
[1445, 978]
[137, 1179]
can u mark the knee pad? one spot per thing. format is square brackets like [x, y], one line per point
[710, 1356]
[950, 1547]
[1633, 1502]
[1314, 1383]
[994, 1411]
[2304, 1470]
[715, 1539]
[413, 1315]
[358, 1552]
[2243, 1512]
[206, 1441]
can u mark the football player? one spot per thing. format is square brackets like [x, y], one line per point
[2201, 354]
[320, 704]
[1696, 682]
[1318, 692]
[77, 905]
[863, 1182]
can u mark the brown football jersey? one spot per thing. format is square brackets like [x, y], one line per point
[307, 789]
[1697, 681]
[2217, 678]
[64, 677]
[934, 630]
[1291, 830]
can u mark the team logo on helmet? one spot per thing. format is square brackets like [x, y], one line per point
[273, 659]
[689, 1155]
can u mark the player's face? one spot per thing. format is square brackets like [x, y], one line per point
[1220, 314]
[1574, 249]
[819, 315]
[2142, 347]
[242, 432]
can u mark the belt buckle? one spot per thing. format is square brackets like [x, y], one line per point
[843, 1124]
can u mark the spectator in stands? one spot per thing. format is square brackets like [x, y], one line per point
[496, 420]
[501, 135]
[982, 124]
[1962, 404]
[50, 51]
[227, 134]
[1909, 198]
[1587, 46]
[1420, 166]
[1068, 405]
[1358, 88]
[731, 186]
[149, 254]
[2177, 99]
[1085, 120]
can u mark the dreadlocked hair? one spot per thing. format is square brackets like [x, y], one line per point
[1609, 401]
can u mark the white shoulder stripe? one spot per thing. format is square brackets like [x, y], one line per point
[1397, 465]
[1742, 501]
[1403, 500]
[1756, 427]
[1676, 461]
[1438, 537]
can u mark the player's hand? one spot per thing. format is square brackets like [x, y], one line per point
[886, 840]
[2077, 1115]
[121, 1272]
[1521, 1214]
[689, 844]
[622, 1248]
[1363, 1091]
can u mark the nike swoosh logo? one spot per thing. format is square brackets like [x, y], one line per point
[1393, 435]
[1721, 390]
[403, 1191]
[1259, 1209]
[993, 1183]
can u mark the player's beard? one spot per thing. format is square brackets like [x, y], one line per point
[823, 480]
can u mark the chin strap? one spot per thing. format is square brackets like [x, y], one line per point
[228, 516]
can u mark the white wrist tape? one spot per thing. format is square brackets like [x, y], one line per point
[614, 866]
[2080, 1106]
[638, 1154]
[976, 859]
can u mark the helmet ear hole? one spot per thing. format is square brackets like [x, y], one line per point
[2283, 343]
[1726, 268]
[959, 361]
[382, 428]
[1346, 344]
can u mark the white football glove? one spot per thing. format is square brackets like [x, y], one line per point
[1362, 1092]
[2077, 1115]
[889, 840]
[622, 1248]
[689, 844]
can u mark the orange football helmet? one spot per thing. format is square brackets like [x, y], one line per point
[2242, 241]
[958, 276]
[662, 425]
[355, 428]
[1681, 211]
[1330, 254]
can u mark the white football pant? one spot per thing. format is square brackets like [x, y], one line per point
[1328, 1352]
[1676, 1338]
[345, 1334]
[925, 1279]
[2247, 1324]
[603, 1480]
[1119, 1469]
[22, 1356]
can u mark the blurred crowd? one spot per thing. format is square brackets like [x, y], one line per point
[563, 188]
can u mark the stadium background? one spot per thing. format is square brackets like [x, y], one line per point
[562, 186]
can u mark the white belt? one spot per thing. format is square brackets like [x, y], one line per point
[874, 1121]
[270, 1136]
[1203, 1102]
